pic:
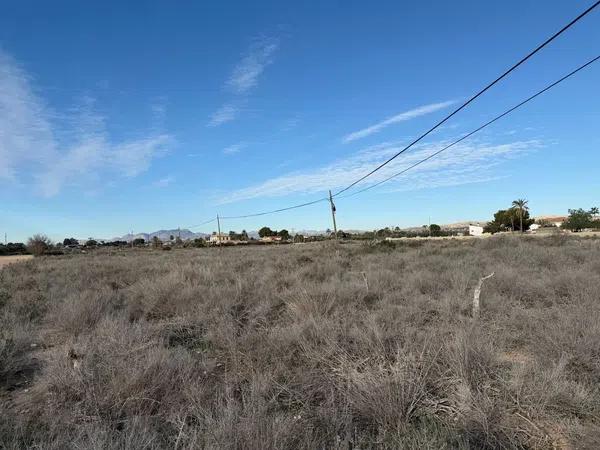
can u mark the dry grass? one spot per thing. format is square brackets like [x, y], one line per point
[306, 346]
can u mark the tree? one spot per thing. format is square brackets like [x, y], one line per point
[520, 206]
[284, 234]
[38, 244]
[265, 231]
[156, 242]
[199, 242]
[244, 235]
[435, 229]
[171, 237]
[504, 220]
[91, 243]
[70, 241]
[13, 248]
[580, 219]
[137, 242]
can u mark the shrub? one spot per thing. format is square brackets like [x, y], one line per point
[38, 244]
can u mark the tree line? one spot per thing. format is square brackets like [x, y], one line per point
[516, 218]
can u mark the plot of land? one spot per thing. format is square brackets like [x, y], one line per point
[308, 346]
[6, 260]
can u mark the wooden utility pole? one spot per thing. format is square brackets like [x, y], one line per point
[333, 215]
[218, 230]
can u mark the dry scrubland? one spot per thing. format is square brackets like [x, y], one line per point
[305, 346]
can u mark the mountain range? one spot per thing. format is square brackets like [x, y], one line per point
[163, 235]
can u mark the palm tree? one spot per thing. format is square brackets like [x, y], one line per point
[521, 206]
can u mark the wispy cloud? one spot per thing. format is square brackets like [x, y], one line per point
[224, 114]
[468, 162]
[402, 117]
[35, 149]
[244, 77]
[234, 148]
[290, 124]
[245, 74]
[164, 182]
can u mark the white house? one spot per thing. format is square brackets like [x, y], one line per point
[475, 230]
[218, 238]
[271, 239]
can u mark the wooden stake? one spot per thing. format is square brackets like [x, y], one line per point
[476, 306]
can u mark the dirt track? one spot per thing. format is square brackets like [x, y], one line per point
[6, 260]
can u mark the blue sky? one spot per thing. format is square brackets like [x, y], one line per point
[120, 116]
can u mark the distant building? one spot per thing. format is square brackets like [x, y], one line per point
[475, 230]
[534, 227]
[219, 238]
[271, 239]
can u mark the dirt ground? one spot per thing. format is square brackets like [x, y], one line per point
[6, 260]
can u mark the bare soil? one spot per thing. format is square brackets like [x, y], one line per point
[6, 260]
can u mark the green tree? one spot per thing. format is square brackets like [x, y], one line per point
[580, 219]
[156, 242]
[138, 242]
[70, 241]
[504, 220]
[265, 231]
[199, 242]
[284, 234]
[435, 229]
[91, 243]
[521, 207]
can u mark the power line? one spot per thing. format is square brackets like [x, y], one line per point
[264, 213]
[507, 112]
[465, 104]
[466, 136]
[203, 223]
[478, 94]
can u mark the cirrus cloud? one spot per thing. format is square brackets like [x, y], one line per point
[402, 117]
[468, 162]
[39, 149]
[244, 78]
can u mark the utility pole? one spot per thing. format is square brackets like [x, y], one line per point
[333, 215]
[219, 230]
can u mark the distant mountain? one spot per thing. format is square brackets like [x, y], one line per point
[163, 235]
